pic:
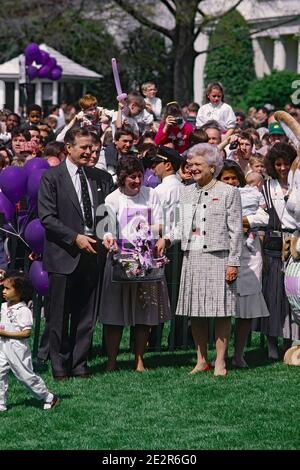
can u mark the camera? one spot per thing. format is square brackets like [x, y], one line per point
[178, 120]
[234, 145]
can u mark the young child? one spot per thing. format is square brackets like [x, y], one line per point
[15, 327]
[90, 115]
[217, 110]
[34, 114]
[153, 103]
[174, 128]
[133, 113]
[257, 164]
[252, 199]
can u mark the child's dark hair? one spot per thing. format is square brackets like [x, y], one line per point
[21, 283]
[198, 136]
[231, 165]
[172, 109]
[213, 85]
[34, 107]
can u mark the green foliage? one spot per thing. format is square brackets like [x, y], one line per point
[85, 41]
[148, 59]
[163, 408]
[275, 88]
[231, 62]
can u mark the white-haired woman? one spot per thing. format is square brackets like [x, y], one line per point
[211, 234]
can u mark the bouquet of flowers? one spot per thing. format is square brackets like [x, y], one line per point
[139, 263]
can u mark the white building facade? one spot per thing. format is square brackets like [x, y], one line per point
[44, 91]
[275, 28]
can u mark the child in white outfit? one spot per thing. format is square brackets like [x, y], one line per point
[153, 103]
[216, 110]
[252, 199]
[15, 355]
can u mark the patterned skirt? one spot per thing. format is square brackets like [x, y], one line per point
[203, 291]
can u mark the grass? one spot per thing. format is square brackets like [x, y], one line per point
[164, 408]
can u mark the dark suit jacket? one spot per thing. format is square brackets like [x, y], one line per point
[60, 213]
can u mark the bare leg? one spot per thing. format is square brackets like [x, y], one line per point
[243, 326]
[200, 336]
[141, 335]
[113, 336]
[223, 327]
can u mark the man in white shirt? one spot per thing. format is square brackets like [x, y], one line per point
[165, 165]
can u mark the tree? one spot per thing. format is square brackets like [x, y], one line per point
[275, 88]
[189, 20]
[62, 25]
[232, 64]
[142, 67]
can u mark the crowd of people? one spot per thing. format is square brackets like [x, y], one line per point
[210, 177]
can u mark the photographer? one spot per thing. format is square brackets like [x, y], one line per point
[173, 127]
[243, 149]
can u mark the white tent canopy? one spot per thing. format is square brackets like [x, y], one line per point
[10, 73]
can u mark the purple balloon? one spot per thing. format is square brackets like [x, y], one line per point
[56, 73]
[28, 61]
[39, 278]
[35, 235]
[44, 56]
[32, 72]
[35, 164]
[51, 63]
[33, 183]
[32, 51]
[44, 71]
[6, 207]
[13, 181]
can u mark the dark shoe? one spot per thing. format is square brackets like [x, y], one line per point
[52, 404]
[60, 377]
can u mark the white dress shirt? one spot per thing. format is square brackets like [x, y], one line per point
[168, 192]
[72, 169]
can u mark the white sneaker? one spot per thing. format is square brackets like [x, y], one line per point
[3, 408]
[52, 404]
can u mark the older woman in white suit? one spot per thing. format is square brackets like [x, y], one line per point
[211, 234]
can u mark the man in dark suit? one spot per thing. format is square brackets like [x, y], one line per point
[68, 198]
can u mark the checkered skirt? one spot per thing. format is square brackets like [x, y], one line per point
[203, 290]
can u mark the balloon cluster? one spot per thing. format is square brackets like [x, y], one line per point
[15, 183]
[48, 65]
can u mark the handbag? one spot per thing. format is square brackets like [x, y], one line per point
[126, 268]
[273, 239]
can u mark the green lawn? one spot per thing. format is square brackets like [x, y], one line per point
[164, 408]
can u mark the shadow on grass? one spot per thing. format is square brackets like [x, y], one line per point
[34, 403]
[255, 358]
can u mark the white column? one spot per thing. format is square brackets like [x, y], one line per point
[55, 92]
[201, 44]
[279, 59]
[16, 97]
[38, 92]
[2, 94]
[259, 58]
[298, 61]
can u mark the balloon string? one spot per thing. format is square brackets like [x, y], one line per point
[16, 234]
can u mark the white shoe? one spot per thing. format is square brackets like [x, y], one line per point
[3, 408]
[52, 404]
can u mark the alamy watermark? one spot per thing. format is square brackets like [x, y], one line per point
[295, 97]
